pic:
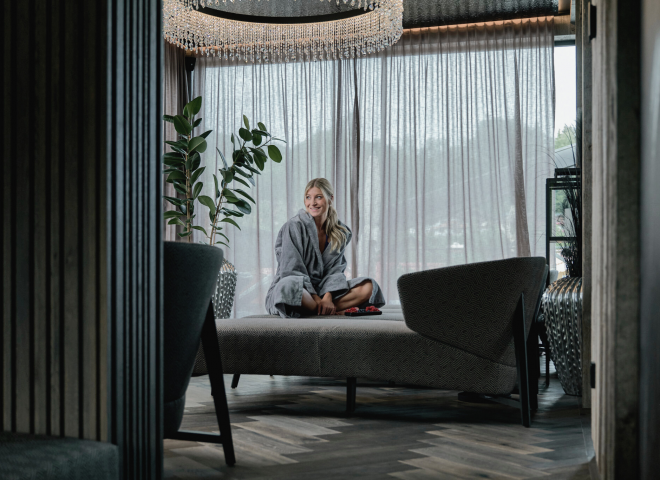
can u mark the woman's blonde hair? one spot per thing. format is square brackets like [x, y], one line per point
[337, 234]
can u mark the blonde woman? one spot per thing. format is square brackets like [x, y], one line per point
[310, 262]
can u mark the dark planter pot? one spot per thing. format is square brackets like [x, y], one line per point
[562, 310]
[190, 273]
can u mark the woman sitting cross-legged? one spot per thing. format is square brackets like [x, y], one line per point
[310, 262]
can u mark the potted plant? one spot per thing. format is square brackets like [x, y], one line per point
[184, 167]
[562, 301]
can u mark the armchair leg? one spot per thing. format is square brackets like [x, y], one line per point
[351, 391]
[520, 343]
[214, 361]
[235, 379]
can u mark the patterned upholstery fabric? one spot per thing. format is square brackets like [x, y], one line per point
[363, 347]
[28, 457]
[456, 334]
[471, 307]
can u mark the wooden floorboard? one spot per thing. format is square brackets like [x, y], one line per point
[296, 428]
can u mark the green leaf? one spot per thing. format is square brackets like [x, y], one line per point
[178, 175]
[207, 202]
[243, 206]
[201, 229]
[245, 194]
[245, 134]
[173, 156]
[245, 121]
[196, 174]
[173, 161]
[218, 233]
[274, 153]
[262, 126]
[245, 174]
[222, 157]
[197, 122]
[217, 190]
[259, 161]
[197, 144]
[181, 125]
[178, 143]
[256, 138]
[279, 139]
[252, 169]
[232, 138]
[171, 213]
[229, 220]
[206, 133]
[174, 201]
[195, 105]
[230, 213]
[227, 175]
[222, 243]
[168, 118]
[251, 180]
[185, 234]
[183, 208]
[229, 194]
[197, 189]
[196, 159]
[180, 188]
[240, 180]
[176, 221]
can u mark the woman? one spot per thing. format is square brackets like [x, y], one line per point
[310, 262]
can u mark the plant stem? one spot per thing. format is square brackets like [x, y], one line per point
[188, 195]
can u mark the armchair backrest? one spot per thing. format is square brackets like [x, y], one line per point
[471, 306]
[190, 273]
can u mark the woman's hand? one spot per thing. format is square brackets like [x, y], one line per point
[325, 305]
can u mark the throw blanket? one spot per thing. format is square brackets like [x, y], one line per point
[301, 265]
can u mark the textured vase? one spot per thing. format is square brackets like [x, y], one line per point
[225, 289]
[562, 311]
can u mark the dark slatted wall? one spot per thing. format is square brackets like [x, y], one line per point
[80, 232]
[135, 250]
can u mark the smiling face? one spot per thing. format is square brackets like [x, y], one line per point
[316, 204]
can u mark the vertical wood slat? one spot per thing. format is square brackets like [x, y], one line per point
[81, 253]
[135, 251]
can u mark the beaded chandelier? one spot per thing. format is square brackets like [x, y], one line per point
[376, 25]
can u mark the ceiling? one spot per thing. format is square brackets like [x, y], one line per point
[416, 13]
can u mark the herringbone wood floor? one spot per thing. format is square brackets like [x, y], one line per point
[295, 428]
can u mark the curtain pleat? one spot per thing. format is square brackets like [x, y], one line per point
[438, 146]
[175, 97]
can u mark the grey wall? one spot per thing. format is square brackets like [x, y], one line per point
[650, 244]
[80, 230]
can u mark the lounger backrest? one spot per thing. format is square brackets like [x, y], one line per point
[471, 306]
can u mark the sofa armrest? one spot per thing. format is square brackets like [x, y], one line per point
[471, 306]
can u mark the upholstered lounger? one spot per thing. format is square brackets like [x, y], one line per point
[455, 332]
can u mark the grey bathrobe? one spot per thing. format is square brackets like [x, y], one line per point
[301, 265]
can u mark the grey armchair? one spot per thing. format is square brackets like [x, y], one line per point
[485, 311]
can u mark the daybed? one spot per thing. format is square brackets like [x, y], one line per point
[456, 332]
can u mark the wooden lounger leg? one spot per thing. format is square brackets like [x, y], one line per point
[212, 353]
[351, 390]
[520, 343]
[234, 380]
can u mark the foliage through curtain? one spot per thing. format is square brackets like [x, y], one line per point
[438, 149]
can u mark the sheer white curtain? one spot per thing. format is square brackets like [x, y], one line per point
[311, 106]
[456, 140]
[438, 149]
